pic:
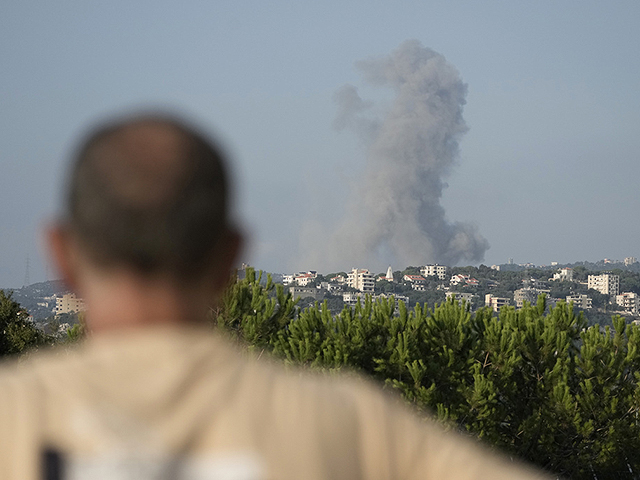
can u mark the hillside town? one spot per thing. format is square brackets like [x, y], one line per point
[492, 287]
[600, 289]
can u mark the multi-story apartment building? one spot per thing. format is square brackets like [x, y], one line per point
[69, 303]
[495, 302]
[606, 283]
[527, 294]
[460, 296]
[350, 298]
[439, 271]
[579, 301]
[630, 301]
[565, 274]
[304, 292]
[361, 279]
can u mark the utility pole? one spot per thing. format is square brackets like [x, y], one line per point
[26, 272]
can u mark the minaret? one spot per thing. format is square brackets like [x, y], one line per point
[389, 276]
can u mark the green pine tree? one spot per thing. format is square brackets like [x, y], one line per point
[17, 333]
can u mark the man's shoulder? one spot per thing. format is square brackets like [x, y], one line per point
[35, 364]
[195, 359]
[189, 382]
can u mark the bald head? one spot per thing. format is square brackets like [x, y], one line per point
[149, 193]
[144, 163]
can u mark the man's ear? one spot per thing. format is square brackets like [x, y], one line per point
[61, 252]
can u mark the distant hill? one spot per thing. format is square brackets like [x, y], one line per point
[599, 266]
[39, 298]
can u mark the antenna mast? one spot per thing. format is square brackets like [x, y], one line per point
[26, 272]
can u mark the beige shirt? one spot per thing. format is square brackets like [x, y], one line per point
[185, 404]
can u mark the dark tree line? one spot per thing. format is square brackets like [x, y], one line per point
[17, 333]
[537, 383]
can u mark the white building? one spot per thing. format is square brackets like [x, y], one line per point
[350, 298]
[414, 278]
[579, 301]
[607, 284]
[304, 279]
[630, 261]
[495, 302]
[361, 279]
[457, 279]
[389, 276]
[564, 275]
[69, 303]
[466, 279]
[439, 271]
[301, 278]
[629, 301]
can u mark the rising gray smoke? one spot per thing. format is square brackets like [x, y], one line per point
[394, 214]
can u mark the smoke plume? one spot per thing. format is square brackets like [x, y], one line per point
[394, 212]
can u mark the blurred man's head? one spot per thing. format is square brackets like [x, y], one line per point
[151, 194]
[147, 195]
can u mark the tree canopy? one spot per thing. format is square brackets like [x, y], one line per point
[17, 333]
[535, 382]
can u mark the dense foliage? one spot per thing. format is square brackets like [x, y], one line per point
[17, 333]
[535, 382]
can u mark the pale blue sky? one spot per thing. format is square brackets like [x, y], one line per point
[548, 170]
